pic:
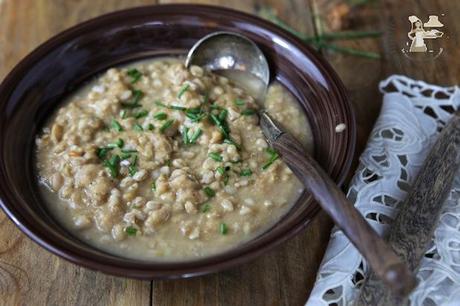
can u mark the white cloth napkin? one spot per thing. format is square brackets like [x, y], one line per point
[413, 112]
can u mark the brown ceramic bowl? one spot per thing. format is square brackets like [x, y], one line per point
[33, 90]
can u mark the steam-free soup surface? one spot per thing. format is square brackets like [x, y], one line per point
[155, 161]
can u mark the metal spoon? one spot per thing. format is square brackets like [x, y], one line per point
[226, 51]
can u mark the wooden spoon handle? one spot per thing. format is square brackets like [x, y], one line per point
[378, 254]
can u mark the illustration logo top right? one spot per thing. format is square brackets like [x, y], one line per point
[424, 31]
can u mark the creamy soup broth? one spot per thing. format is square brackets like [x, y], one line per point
[155, 161]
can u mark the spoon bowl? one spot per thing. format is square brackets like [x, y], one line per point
[229, 54]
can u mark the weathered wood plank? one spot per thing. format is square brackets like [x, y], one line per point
[29, 275]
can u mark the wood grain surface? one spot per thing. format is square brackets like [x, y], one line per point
[31, 276]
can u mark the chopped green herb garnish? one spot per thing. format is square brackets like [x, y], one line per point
[170, 106]
[160, 116]
[102, 152]
[209, 191]
[196, 135]
[134, 101]
[138, 127]
[176, 107]
[223, 229]
[131, 231]
[193, 116]
[118, 144]
[116, 125]
[185, 135]
[123, 114]
[132, 169]
[154, 186]
[239, 102]
[246, 172]
[223, 115]
[248, 112]
[134, 74]
[166, 125]
[112, 165]
[223, 171]
[150, 127]
[273, 157]
[220, 170]
[183, 90]
[215, 120]
[128, 151]
[141, 114]
[205, 208]
[215, 156]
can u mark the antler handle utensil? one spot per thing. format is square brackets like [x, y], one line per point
[387, 266]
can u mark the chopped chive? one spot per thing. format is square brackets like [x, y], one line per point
[137, 127]
[166, 125]
[170, 106]
[141, 114]
[128, 151]
[246, 172]
[134, 74]
[248, 112]
[223, 229]
[226, 178]
[185, 135]
[194, 110]
[160, 116]
[102, 152]
[273, 157]
[158, 103]
[132, 169]
[118, 144]
[153, 186]
[116, 125]
[195, 135]
[183, 90]
[218, 123]
[134, 101]
[209, 191]
[215, 156]
[113, 165]
[195, 117]
[223, 115]
[239, 102]
[220, 170]
[150, 127]
[205, 208]
[176, 107]
[131, 231]
[123, 114]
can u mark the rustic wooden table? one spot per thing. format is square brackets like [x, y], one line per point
[30, 275]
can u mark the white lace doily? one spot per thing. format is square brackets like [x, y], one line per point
[413, 113]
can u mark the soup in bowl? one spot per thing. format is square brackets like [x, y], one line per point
[117, 158]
